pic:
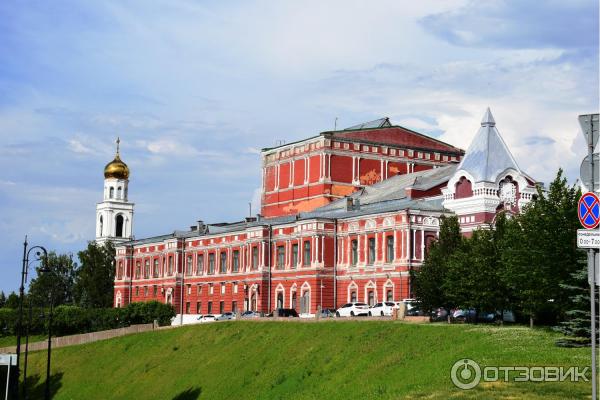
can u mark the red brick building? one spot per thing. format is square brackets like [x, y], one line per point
[346, 216]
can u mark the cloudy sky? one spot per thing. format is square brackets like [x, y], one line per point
[195, 89]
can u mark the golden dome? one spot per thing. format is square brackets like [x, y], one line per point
[116, 168]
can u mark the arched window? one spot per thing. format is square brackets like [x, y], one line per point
[119, 226]
[101, 225]
[119, 191]
[120, 270]
[111, 192]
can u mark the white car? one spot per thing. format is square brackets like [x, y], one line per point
[206, 318]
[352, 309]
[385, 308]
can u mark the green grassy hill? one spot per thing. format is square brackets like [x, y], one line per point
[295, 360]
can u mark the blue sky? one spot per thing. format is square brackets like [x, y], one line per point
[194, 89]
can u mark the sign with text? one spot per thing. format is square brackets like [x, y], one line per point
[587, 239]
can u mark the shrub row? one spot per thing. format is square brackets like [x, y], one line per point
[70, 320]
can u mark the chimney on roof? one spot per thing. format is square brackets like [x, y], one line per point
[193, 228]
[357, 204]
[349, 203]
[258, 217]
[250, 219]
[200, 227]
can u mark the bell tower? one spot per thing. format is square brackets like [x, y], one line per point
[114, 215]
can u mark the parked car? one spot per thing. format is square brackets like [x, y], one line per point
[413, 307]
[206, 318]
[284, 313]
[225, 317]
[382, 309]
[439, 314]
[250, 314]
[326, 313]
[352, 309]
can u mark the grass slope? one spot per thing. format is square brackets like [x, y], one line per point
[295, 360]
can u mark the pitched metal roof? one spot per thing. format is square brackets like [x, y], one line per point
[378, 123]
[394, 188]
[488, 155]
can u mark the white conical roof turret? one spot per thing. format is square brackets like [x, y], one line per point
[488, 155]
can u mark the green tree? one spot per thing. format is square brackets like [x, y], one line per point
[540, 251]
[578, 315]
[12, 301]
[96, 275]
[57, 283]
[429, 279]
[2, 299]
[473, 277]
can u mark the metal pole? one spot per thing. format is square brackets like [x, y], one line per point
[26, 353]
[7, 380]
[21, 295]
[591, 266]
[593, 319]
[49, 350]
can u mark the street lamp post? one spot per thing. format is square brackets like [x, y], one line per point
[24, 271]
[48, 270]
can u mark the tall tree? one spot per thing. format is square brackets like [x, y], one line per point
[57, 283]
[428, 280]
[12, 301]
[2, 299]
[541, 253]
[473, 276]
[95, 277]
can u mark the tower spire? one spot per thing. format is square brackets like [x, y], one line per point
[118, 142]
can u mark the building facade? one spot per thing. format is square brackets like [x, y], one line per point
[360, 216]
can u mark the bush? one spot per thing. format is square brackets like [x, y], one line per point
[70, 320]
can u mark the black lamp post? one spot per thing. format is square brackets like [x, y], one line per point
[48, 270]
[41, 254]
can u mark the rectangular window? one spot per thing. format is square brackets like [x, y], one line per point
[255, 257]
[211, 263]
[198, 307]
[211, 289]
[147, 269]
[294, 255]
[200, 264]
[307, 258]
[155, 268]
[371, 250]
[137, 290]
[223, 263]
[223, 288]
[209, 310]
[389, 245]
[170, 265]
[189, 265]
[188, 307]
[189, 289]
[145, 291]
[234, 307]
[389, 295]
[138, 267]
[354, 245]
[199, 289]
[236, 261]
[221, 307]
[154, 290]
[280, 257]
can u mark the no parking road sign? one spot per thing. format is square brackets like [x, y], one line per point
[588, 210]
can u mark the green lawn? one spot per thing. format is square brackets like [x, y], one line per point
[294, 360]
